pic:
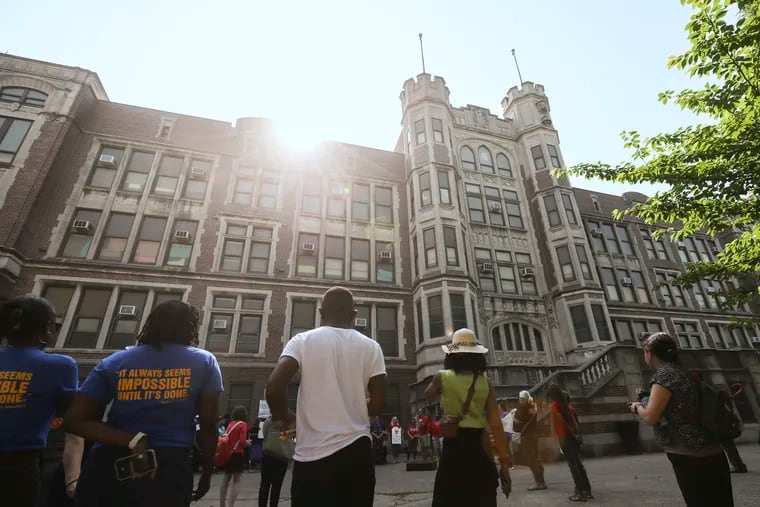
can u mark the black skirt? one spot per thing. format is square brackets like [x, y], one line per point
[236, 464]
[466, 476]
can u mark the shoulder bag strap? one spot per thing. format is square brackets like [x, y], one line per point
[229, 434]
[470, 394]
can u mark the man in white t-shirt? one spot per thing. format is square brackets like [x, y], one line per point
[333, 462]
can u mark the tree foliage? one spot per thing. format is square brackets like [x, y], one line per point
[712, 170]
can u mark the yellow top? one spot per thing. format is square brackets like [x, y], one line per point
[454, 393]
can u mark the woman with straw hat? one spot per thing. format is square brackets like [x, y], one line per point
[466, 473]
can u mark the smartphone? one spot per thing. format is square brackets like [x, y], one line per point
[645, 401]
[136, 465]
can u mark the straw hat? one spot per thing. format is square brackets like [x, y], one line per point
[464, 341]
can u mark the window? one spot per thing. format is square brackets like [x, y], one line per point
[608, 277]
[384, 265]
[458, 311]
[419, 132]
[220, 323]
[503, 165]
[363, 322]
[609, 236]
[335, 255]
[12, 134]
[268, 190]
[580, 324]
[181, 243]
[437, 130]
[80, 236]
[420, 327]
[550, 202]
[89, 318]
[137, 171]
[336, 203]
[538, 157]
[23, 96]
[626, 286]
[360, 202]
[567, 201]
[261, 245]
[486, 162]
[360, 259]
[249, 318]
[302, 317]
[493, 202]
[195, 186]
[597, 237]
[383, 205]
[416, 258]
[126, 319]
[513, 209]
[720, 335]
[625, 241]
[241, 396]
[387, 330]
[601, 323]
[106, 164]
[699, 296]
[553, 155]
[583, 260]
[149, 240]
[59, 297]
[689, 336]
[232, 255]
[444, 191]
[450, 244]
[565, 263]
[243, 193]
[485, 269]
[468, 158]
[692, 247]
[115, 237]
[311, 203]
[665, 290]
[623, 330]
[435, 311]
[528, 283]
[507, 279]
[308, 250]
[640, 286]
[426, 196]
[169, 170]
[496, 339]
[475, 203]
[431, 255]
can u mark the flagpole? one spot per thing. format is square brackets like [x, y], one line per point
[422, 53]
[519, 75]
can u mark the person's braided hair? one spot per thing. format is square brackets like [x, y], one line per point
[24, 321]
[170, 322]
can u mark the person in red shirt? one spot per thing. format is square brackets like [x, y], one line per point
[237, 429]
[567, 429]
[423, 426]
[435, 430]
[411, 445]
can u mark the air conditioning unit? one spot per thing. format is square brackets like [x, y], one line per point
[754, 339]
[182, 236]
[82, 226]
[219, 324]
[627, 282]
[198, 173]
[337, 192]
[386, 256]
[107, 160]
[494, 206]
[486, 267]
[127, 311]
[307, 248]
[596, 231]
[360, 323]
[527, 273]
[711, 290]
[681, 244]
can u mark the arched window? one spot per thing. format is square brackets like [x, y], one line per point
[468, 159]
[486, 162]
[517, 337]
[24, 96]
[503, 165]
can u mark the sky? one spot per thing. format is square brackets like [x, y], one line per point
[333, 69]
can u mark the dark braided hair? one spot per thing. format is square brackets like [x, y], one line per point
[25, 320]
[170, 322]
[555, 393]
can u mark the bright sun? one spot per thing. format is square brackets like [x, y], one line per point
[298, 137]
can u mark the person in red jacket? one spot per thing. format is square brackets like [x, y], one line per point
[568, 432]
[423, 426]
[435, 430]
[237, 430]
[413, 436]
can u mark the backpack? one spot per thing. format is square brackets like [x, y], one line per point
[224, 447]
[716, 414]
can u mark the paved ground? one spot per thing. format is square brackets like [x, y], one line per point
[644, 480]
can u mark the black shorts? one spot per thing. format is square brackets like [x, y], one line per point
[20, 478]
[236, 463]
[172, 486]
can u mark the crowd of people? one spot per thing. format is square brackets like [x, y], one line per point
[146, 418]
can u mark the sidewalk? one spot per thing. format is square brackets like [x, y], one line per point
[643, 480]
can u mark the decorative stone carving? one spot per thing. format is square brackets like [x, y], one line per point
[542, 107]
[551, 318]
[481, 120]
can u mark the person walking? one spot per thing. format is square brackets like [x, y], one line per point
[154, 389]
[396, 435]
[466, 473]
[525, 435]
[237, 432]
[36, 386]
[333, 456]
[278, 452]
[567, 431]
[699, 464]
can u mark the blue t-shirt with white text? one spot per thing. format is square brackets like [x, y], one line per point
[155, 391]
[34, 387]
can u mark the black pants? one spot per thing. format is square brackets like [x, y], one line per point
[704, 482]
[20, 478]
[466, 475]
[272, 475]
[571, 450]
[732, 453]
[172, 486]
[53, 492]
[343, 479]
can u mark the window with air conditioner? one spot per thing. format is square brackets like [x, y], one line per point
[128, 310]
[486, 267]
[527, 272]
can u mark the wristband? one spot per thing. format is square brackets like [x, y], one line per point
[136, 440]
[72, 482]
